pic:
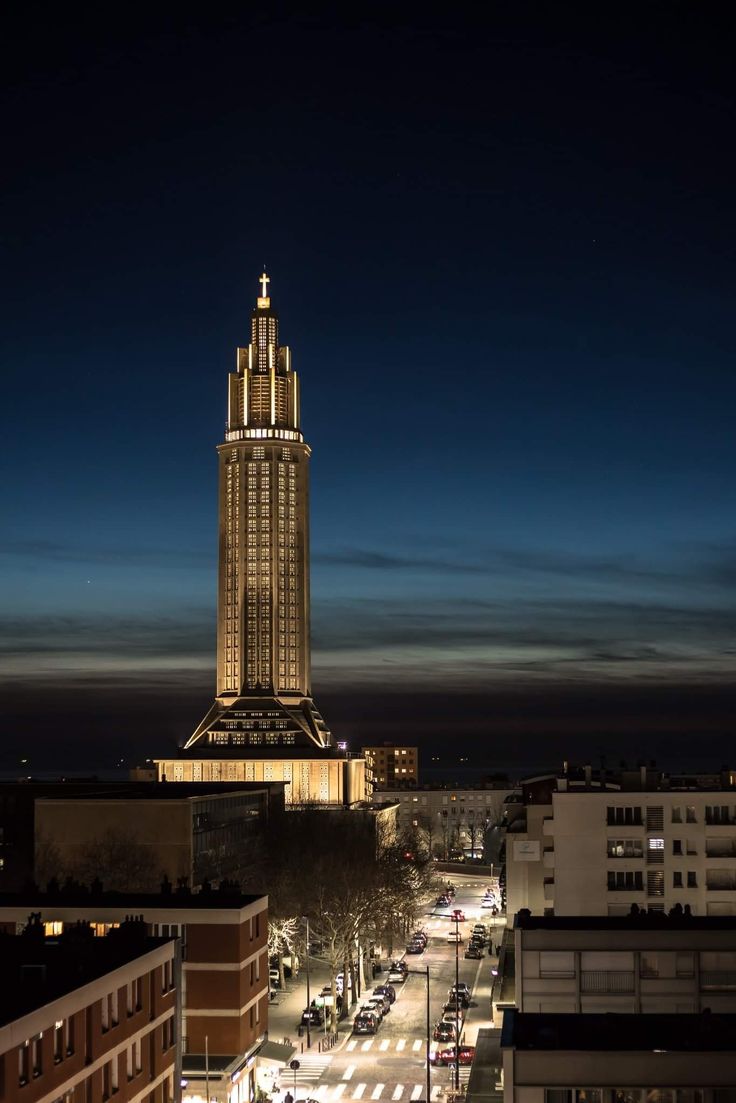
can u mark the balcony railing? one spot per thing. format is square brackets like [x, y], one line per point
[721, 979]
[607, 980]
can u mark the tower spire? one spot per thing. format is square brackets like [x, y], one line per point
[264, 299]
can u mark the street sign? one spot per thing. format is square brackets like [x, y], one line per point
[294, 1064]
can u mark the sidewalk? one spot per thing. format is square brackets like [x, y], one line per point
[285, 1011]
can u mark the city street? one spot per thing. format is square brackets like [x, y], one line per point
[391, 1064]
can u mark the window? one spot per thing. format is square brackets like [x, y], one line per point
[37, 1054]
[684, 963]
[24, 1063]
[137, 1062]
[58, 1041]
[621, 815]
[677, 846]
[692, 881]
[556, 963]
[690, 814]
[621, 880]
[70, 1036]
[625, 848]
[676, 815]
[677, 880]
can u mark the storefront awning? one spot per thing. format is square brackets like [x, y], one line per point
[274, 1053]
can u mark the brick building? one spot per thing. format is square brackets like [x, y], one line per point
[86, 1019]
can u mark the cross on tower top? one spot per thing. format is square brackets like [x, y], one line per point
[265, 280]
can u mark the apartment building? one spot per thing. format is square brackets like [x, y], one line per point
[618, 1058]
[223, 937]
[86, 1020]
[653, 964]
[449, 819]
[392, 767]
[596, 844]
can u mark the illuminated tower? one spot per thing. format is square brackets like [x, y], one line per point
[263, 660]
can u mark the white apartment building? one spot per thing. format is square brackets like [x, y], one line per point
[656, 848]
[581, 844]
[652, 964]
[617, 1059]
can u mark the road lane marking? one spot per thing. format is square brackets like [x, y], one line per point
[348, 1074]
[358, 1093]
[376, 1093]
[416, 1045]
[339, 1089]
[351, 1045]
[400, 1044]
[384, 1044]
[436, 1091]
[365, 1046]
[398, 1091]
[416, 1091]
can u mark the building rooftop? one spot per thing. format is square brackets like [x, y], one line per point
[93, 789]
[658, 921]
[607, 1032]
[36, 971]
[77, 896]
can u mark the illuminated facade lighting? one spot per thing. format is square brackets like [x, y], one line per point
[263, 646]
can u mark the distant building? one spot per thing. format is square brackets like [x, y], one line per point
[392, 767]
[197, 832]
[618, 1058]
[452, 820]
[223, 938]
[264, 724]
[86, 1019]
[597, 843]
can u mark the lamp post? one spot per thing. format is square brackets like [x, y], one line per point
[457, 1002]
[425, 974]
[309, 1001]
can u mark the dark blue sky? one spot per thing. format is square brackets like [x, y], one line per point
[502, 248]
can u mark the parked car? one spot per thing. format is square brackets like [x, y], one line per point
[452, 1004]
[480, 929]
[273, 978]
[374, 1004]
[454, 936]
[313, 1016]
[396, 976]
[442, 902]
[365, 1022]
[420, 936]
[415, 947]
[399, 964]
[488, 903]
[458, 914]
[273, 963]
[463, 1055]
[444, 1031]
[461, 987]
[474, 951]
[386, 990]
[383, 997]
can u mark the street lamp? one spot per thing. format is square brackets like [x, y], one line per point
[425, 973]
[309, 1002]
[457, 1002]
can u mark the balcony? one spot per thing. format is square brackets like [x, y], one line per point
[612, 981]
[720, 880]
[720, 848]
[721, 979]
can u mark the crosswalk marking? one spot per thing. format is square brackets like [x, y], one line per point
[436, 1090]
[339, 1089]
[416, 1045]
[376, 1093]
[400, 1044]
[365, 1046]
[348, 1074]
[398, 1091]
[416, 1091]
[384, 1045]
[351, 1045]
[358, 1093]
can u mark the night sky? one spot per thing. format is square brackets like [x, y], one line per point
[502, 250]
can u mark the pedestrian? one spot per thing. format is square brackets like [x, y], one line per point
[288, 1098]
